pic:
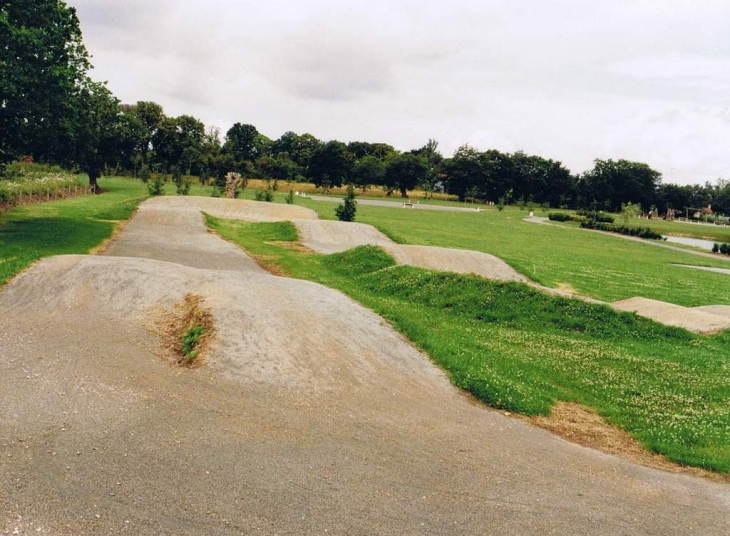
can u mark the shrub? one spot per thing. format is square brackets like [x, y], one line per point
[715, 247]
[558, 216]
[595, 216]
[144, 173]
[156, 186]
[189, 342]
[183, 187]
[641, 232]
[290, 198]
[346, 211]
[724, 249]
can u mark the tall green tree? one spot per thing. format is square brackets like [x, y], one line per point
[405, 172]
[613, 182]
[368, 171]
[330, 165]
[43, 62]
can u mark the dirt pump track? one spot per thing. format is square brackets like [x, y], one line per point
[311, 413]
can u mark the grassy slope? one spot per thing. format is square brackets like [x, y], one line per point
[518, 349]
[32, 232]
[605, 267]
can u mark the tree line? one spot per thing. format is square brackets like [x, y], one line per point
[52, 111]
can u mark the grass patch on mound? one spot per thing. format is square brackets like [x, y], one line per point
[524, 351]
[72, 226]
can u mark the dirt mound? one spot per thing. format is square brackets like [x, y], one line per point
[173, 229]
[692, 319]
[718, 310]
[234, 209]
[461, 261]
[327, 237]
[334, 237]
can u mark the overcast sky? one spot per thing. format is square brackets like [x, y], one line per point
[572, 80]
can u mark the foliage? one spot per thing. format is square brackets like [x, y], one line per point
[629, 211]
[595, 216]
[23, 182]
[367, 171]
[264, 195]
[189, 342]
[641, 232]
[290, 198]
[156, 186]
[331, 165]
[723, 248]
[612, 183]
[183, 186]
[346, 211]
[405, 172]
[43, 62]
[558, 216]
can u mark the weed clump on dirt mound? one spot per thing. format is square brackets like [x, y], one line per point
[187, 330]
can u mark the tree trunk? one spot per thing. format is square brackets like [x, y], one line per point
[94, 175]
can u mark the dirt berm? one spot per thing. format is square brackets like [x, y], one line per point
[311, 415]
[334, 236]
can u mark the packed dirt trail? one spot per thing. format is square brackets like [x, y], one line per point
[310, 415]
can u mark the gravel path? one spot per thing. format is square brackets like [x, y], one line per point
[311, 416]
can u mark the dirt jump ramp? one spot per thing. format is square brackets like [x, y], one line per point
[704, 320]
[311, 415]
[333, 237]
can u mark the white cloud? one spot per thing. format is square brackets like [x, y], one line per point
[568, 79]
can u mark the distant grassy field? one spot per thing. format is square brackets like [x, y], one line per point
[521, 350]
[32, 232]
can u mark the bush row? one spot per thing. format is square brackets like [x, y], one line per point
[641, 232]
[721, 248]
[595, 216]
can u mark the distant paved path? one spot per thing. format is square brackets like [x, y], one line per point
[311, 416]
[398, 204]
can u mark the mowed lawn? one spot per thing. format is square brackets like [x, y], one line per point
[598, 265]
[519, 349]
[71, 226]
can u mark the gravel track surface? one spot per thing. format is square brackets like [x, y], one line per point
[311, 415]
[697, 319]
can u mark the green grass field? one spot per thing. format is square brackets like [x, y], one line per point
[72, 226]
[521, 350]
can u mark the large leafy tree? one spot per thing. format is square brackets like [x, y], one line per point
[150, 115]
[245, 143]
[102, 135]
[330, 165]
[43, 64]
[406, 171]
[613, 182]
[369, 170]
[465, 171]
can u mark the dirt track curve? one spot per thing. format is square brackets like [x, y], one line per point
[311, 415]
